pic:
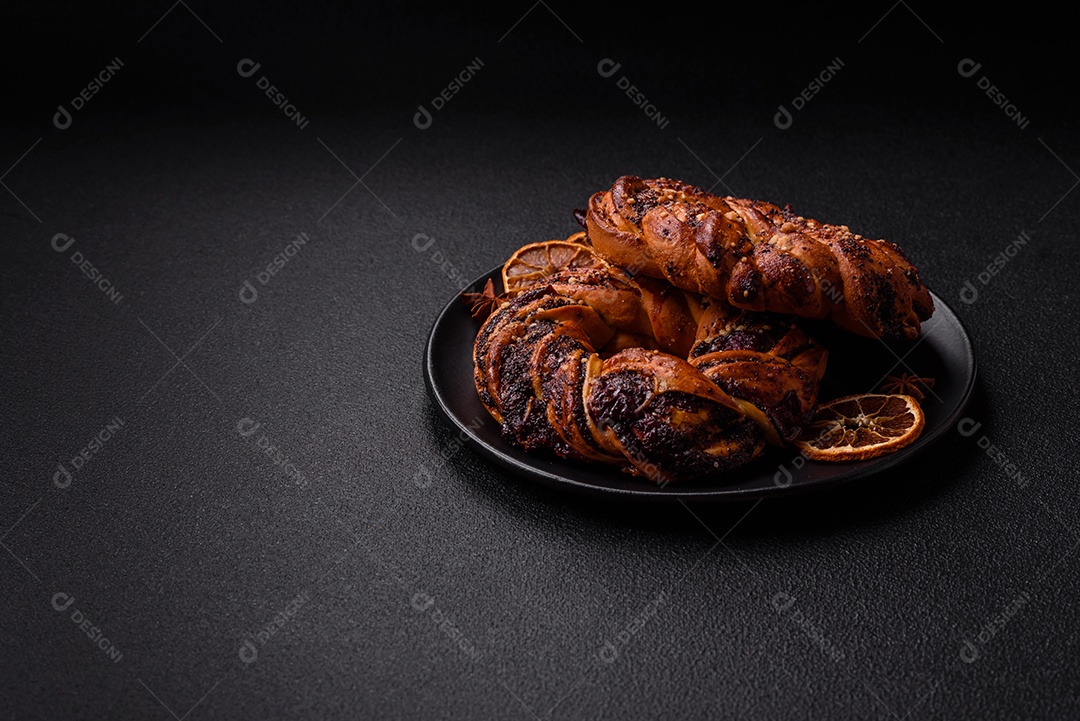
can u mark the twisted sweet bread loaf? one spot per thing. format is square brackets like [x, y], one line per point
[757, 256]
[746, 377]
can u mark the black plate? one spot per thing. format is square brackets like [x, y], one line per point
[856, 365]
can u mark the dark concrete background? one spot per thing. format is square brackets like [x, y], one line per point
[231, 589]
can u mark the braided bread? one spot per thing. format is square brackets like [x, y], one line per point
[757, 256]
[747, 378]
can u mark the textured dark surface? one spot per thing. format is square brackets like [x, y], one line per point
[181, 540]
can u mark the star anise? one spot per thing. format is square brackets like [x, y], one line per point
[483, 304]
[907, 384]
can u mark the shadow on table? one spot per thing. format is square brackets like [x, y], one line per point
[866, 502]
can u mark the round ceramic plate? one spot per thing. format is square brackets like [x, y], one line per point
[856, 365]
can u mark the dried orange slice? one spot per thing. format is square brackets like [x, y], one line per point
[854, 428]
[531, 263]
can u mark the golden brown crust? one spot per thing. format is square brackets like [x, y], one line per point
[757, 256]
[539, 373]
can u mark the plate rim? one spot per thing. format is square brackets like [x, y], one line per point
[675, 492]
